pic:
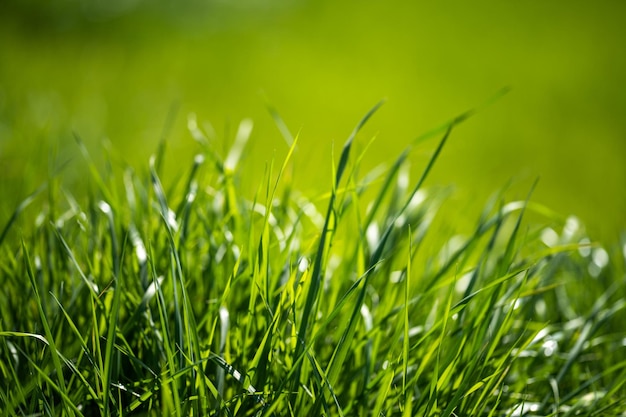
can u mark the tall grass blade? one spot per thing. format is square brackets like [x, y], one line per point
[62, 389]
[316, 277]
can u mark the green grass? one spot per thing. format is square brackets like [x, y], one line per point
[155, 296]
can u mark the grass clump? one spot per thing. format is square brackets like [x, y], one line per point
[190, 299]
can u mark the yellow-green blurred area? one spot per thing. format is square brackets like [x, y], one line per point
[119, 70]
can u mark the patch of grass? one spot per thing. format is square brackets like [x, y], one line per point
[186, 297]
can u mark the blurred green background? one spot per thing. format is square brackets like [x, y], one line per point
[116, 70]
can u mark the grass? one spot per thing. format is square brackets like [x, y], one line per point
[186, 297]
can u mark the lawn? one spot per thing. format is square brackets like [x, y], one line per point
[127, 71]
[200, 216]
[185, 297]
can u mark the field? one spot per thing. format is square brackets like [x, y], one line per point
[126, 71]
[458, 249]
[198, 301]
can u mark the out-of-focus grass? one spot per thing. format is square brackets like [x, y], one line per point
[117, 70]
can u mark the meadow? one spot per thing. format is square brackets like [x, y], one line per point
[200, 216]
[185, 297]
[125, 71]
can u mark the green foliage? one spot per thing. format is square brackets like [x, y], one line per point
[191, 299]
